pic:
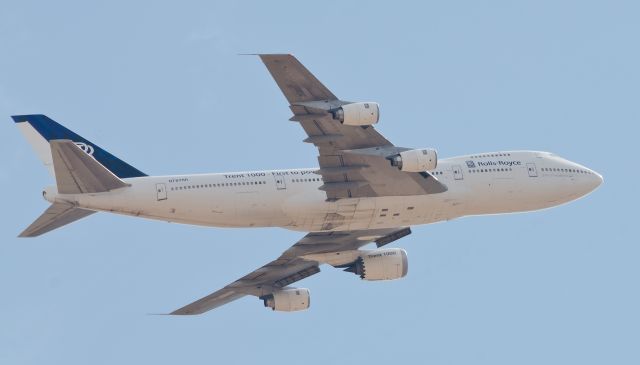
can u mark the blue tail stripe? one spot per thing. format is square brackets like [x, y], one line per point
[49, 129]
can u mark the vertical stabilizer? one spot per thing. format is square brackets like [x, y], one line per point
[40, 130]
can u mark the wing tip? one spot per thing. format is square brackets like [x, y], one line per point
[174, 313]
[264, 56]
[182, 313]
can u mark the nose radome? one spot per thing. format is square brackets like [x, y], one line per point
[592, 181]
[598, 177]
[587, 180]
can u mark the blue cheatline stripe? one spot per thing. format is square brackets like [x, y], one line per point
[49, 129]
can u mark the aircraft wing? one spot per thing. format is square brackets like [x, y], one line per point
[293, 265]
[352, 158]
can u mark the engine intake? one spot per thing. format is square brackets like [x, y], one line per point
[358, 114]
[288, 300]
[383, 264]
[416, 160]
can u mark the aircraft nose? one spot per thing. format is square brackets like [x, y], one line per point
[597, 179]
[592, 181]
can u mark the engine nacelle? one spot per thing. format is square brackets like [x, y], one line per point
[383, 264]
[358, 114]
[288, 300]
[416, 160]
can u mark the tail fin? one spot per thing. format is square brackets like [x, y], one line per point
[56, 216]
[66, 156]
[40, 130]
[76, 173]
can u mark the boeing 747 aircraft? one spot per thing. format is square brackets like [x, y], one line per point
[365, 190]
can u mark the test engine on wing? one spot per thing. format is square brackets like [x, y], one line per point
[385, 264]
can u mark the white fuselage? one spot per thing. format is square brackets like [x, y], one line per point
[487, 183]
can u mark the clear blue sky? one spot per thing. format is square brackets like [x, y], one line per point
[162, 87]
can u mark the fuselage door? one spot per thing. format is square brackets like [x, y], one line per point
[532, 170]
[457, 172]
[161, 191]
[280, 183]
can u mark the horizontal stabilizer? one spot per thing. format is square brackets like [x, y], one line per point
[56, 216]
[77, 172]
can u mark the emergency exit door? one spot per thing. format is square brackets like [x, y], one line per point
[532, 170]
[161, 192]
[280, 183]
[457, 172]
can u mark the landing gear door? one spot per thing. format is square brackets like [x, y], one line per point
[532, 170]
[161, 192]
[280, 183]
[457, 172]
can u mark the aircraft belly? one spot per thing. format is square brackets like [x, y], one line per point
[370, 213]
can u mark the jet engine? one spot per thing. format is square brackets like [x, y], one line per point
[384, 264]
[415, 160]
[288, 300]
[358, 114]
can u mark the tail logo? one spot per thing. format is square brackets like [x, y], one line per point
[85, 147]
